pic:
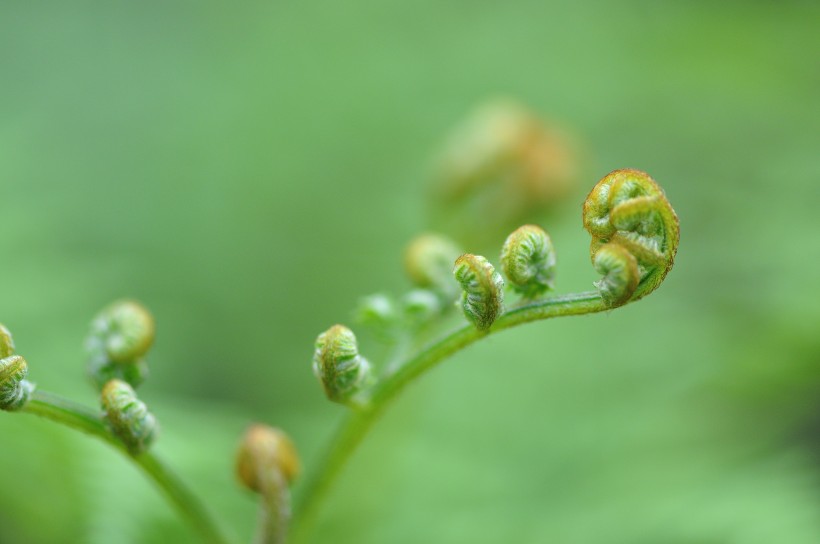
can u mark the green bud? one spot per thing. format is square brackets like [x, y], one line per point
[528, 261]
[621, 275]
[128, 417]
[421, 305]
[337, 364]
[428, 261]
[263, 449]
[15, 390]
[626, 207]
[483, 290]
[379, 314]
[120, 336]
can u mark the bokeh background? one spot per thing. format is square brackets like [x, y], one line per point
[249, 170]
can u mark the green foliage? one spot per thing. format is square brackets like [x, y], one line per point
[173, 157]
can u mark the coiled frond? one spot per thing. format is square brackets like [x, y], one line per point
[627, 208]
[336, 362]
[128, 417]
[528, 261]
[15, 389]
[483, 289]
[428, 261]
[265, 448]
[120, 337]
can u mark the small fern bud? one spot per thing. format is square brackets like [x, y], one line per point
[428, 261]
[263, 449]
[620, 270]
[378, 313]
[483, 289]
[420, 305]
[128, 417]
[15, 389]
[336, 362]
[120, 337]
[528, 261]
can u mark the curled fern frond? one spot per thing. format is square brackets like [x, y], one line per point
[15, 389]
[128, 417]
[120, 337]
[528, 261]
[262, 449]
[337, 364]
[483, 289]
[428, 261]
[628, 208]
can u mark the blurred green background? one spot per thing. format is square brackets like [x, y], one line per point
[249, 170]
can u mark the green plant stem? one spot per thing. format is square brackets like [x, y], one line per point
[274, 514]
[359, 421]
[78, 417]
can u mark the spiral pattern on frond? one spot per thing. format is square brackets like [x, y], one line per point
[120, 337]
[483, 289]
[629, 209]
[528, 261]
[337, 364]
[128, 416]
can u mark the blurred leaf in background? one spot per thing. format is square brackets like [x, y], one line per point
[250, 170]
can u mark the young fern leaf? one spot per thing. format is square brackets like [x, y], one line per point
[428, 261]
[267, 463]
[482, 298]
[528, 261]
[628, 209]
[337, 364]
[120, 337]
[128, 417]
[15, 389]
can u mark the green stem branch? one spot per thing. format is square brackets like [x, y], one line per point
[78, 417]
[359, 421]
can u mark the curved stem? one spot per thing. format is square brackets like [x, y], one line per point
[359, 421]
[78, 417]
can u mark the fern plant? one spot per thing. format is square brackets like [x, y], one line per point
[635, 235]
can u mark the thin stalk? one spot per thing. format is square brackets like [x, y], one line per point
[360, 420]
[274, 514]
[78, 417]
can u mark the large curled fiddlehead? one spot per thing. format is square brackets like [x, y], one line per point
[635, 235]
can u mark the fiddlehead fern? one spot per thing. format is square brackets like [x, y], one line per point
[428, 261]
[267, 463]
[120, 336]
[528, 261]
[128, 417]
[15, 389]
[483, 290]
[628, 209]
[336, 362]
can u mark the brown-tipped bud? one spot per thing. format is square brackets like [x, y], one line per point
[263, 449]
